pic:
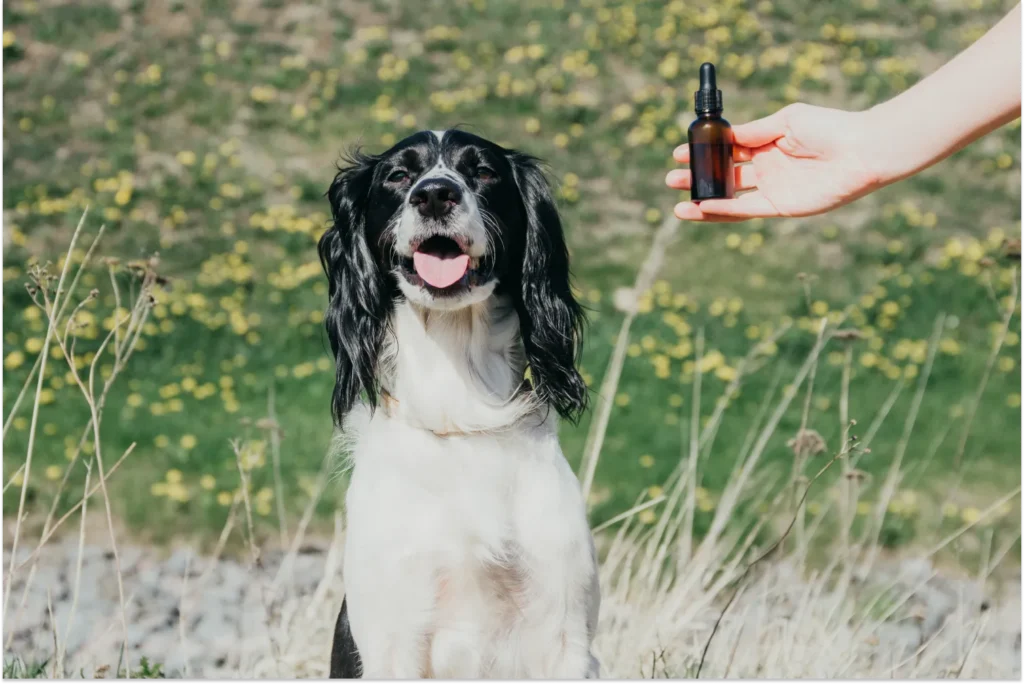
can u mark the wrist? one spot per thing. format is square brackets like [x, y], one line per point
[873, 143]
[887, 144]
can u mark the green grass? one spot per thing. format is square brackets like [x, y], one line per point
[207, 133]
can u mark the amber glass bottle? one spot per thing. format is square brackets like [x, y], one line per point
[710, 136]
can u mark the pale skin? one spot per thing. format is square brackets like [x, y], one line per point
[805, 160]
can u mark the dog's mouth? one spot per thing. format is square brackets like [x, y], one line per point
[441, 265]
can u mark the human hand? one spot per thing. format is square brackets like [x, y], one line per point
[800, 161]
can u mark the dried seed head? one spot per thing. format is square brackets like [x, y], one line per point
[1011, 249]
[807, 443]
[856, 475]
[849, 334]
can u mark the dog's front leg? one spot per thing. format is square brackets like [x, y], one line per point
[391, 610]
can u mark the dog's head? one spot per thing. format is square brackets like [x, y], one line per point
[444, 220]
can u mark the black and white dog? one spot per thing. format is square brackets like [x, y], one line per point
[467, 550]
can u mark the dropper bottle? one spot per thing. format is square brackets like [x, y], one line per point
[711, 139]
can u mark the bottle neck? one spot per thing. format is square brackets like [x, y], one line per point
[710, 114]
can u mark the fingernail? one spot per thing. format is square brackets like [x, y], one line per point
[679, 149]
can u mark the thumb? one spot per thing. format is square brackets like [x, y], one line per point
[761, 131]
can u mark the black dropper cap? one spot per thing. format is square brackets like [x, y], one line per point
[708, 100]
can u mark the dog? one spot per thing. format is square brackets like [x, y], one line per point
[456, 334]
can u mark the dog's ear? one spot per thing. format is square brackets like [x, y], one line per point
[357, 311]
[550, 319]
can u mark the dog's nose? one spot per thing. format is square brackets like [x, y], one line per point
[435, 197]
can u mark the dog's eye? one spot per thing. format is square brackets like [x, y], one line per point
[397, 176]
[484, 173]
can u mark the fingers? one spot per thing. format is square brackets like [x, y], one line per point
[748, 206]
[681, 179]
[739, 153]
[689, 211]
[761, 131]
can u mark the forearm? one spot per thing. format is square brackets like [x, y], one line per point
[976, 92]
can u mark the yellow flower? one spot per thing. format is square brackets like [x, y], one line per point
[1007, 363]
[261, 93]
[1013, 400]
[53, 472]
[863, 508]
[158, 489]
[14, 360]
[646, 461]
[970, 515]
[647, 516]
[819, 308]
[177, 492]
[174, 476]
[186, 157]
[224, 498]
[950, 510]
[9, 38]
[161, 441]
[949, 346]
[655, 491]
[622, 399]
[532, 125]
[725, 373]
[188, 441]
[207, 482]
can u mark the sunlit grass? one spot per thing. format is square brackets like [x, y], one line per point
[209, 138]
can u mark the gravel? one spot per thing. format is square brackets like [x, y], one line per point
[203, 618]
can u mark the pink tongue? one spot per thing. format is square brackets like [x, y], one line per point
[440, 272]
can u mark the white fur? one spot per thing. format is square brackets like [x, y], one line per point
[467, 555]
[466, 220]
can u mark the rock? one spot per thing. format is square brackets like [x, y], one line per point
[898, 639]
[181, 558]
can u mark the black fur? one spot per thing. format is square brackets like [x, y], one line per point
[345, 661]
[360, 294]
[550, 318]
[530, 261]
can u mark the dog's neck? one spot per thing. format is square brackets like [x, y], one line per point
[456, 372]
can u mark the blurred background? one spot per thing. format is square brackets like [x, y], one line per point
[203, 135]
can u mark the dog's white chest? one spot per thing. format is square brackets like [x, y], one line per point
[467, 556]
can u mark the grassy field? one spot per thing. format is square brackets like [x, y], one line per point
[206, 133]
